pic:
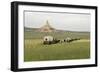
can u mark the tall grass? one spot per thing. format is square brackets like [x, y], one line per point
[36, 51]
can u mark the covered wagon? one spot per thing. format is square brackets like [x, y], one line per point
[50, 40]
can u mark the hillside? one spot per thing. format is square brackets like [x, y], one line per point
[34, 33]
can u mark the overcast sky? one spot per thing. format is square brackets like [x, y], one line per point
[62, 21]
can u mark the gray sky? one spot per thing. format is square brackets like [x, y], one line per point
[62, 21]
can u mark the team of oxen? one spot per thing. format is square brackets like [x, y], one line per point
[51, 40]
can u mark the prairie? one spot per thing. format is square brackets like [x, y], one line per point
[35, 50]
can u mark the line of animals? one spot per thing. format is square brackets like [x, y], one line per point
[50, 40]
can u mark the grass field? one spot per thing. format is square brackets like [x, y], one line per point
[34, 50]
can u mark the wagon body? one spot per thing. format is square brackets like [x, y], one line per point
[50, 40]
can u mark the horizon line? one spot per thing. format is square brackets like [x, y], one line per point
[57, 29]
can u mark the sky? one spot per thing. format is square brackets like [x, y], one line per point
[61, 21]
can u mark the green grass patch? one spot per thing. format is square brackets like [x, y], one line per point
[35, 50]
